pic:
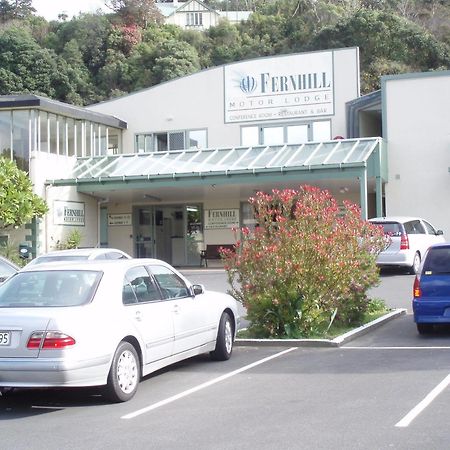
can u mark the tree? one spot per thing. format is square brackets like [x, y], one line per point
[18, 204]
[306, 265]
[174, 59]
[15, 9]
[91, 32]
[135, 12]
[26, 67]
[161, 57]
[387, 37]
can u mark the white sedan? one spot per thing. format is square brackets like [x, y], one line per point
[107, 324]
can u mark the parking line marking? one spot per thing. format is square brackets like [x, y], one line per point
[396, 348]
[204, 385]
[424, 403]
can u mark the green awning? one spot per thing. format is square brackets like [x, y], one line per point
[203, 163]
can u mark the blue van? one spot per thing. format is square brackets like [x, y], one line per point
[431, 291]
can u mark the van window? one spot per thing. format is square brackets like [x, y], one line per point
[437, 261]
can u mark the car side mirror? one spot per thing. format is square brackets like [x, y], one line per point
[197, 289]
[439, 232]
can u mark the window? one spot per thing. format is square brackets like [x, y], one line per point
[194, 19]
[298, 133]
[53, 137]
[196, 139]
[70, 127]
[176, 141]
[50, 288]
[20, 136]
[138, 287]
[414, 227]
[430, 229]
[5, 133]
[321, 131]
[249, 136]
[248, 216]
[173, 140]
[170, 283]
[437, 261]
[273, 135]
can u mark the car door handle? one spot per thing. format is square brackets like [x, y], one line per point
[176, 309]
[138, 316]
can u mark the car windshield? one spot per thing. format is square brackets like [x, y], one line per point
[390, 228]
[6, 271]
[437, 261]
[49, 288]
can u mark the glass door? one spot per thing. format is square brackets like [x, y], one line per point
[144, 236]
[194, 234]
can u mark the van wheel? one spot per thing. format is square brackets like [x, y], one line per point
[416, 264]
[124, 375]
[424, 328]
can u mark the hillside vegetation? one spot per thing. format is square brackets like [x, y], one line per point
[93, 57]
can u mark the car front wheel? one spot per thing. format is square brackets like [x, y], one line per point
[124, 375]
[224, 341]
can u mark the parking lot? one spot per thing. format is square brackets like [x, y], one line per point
[386, 389]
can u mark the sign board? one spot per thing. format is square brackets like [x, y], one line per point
[68, 213]
[283, 87]
[221, 218]
[119, 219]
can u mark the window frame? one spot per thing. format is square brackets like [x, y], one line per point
[153, 138]
[128, 282]
[261, 128]
[164, 290]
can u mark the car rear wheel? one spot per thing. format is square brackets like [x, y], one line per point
[416, 264]
[424, 328]
[224, 341]
[124, 375]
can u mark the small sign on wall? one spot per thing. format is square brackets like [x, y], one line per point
[68, 213]
[221, 218]
[115, 220]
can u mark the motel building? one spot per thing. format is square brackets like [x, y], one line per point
[166, 171]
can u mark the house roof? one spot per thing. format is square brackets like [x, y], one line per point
[56, 107]
[168, 9]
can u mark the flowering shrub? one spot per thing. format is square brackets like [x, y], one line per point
[305, 265]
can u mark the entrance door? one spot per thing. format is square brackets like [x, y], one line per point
[173, 233]
[144, 236]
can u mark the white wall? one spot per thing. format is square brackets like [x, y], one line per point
[417, 114]
[120, 236]
[47, 166]
[197, 101]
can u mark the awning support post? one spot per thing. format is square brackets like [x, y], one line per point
[363, 193]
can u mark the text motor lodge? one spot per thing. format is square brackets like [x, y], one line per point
[307, 88]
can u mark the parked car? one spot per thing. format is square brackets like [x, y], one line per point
[410, 238]
[431, 290]
[79, 254]
[107, 323]
[7, 268]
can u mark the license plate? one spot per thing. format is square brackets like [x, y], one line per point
[5, 337]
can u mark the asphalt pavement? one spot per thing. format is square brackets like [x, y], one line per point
[386, 389]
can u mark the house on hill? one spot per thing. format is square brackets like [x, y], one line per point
[195, 15]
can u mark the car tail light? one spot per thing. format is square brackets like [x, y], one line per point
[417, 292]
[49, 340]
[404, 242]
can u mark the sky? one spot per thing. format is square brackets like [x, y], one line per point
[51, 8]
